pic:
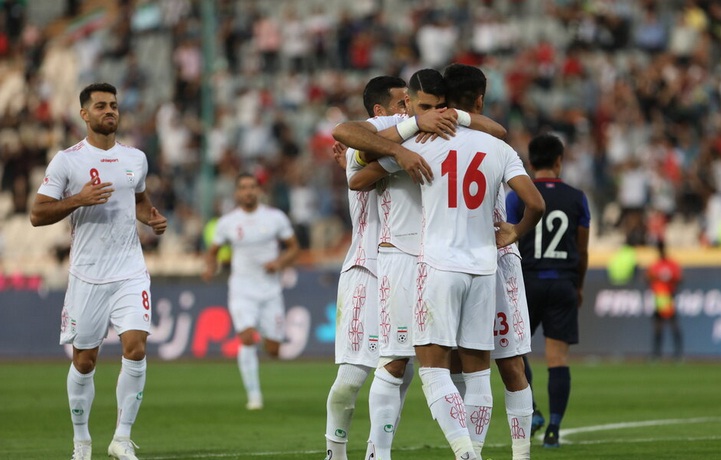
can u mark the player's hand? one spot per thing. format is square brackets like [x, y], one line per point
[505, 234]
[272, 267]
[94, 194]
[208, 274]
[339, 154]
[157, 221]
[416, 167]
[440, 122]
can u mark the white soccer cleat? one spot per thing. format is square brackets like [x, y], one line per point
[122, 449]
[82, 450]
[254, 403]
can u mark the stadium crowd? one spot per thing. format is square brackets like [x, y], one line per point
[633, 87]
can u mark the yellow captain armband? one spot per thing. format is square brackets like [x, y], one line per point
[358, 158]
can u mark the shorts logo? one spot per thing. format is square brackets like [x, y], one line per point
[73, 326]
[373, 342]
[402, 334]
[503, 342]
[146, 318]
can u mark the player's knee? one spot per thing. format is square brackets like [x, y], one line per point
[84, 366]
[272, 348]
[395, 366]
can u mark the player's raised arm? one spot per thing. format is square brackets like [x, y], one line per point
[47, 210]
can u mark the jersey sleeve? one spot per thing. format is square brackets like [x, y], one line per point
[285, 228]
[140, 187]
[221, 237]
[514, 165]
[352, 163]
[514, 208]
[56, 178]
[584, 219]
[389, 164]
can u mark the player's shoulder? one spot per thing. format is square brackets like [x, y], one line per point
[129, 149]
[73, 149]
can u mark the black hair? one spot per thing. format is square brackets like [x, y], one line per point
[543, 150]
[464, 85]
[378, 91]
[93, 88]
[430, 81]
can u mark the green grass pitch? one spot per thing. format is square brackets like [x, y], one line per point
[196, 410]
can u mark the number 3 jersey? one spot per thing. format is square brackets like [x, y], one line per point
[105, 246]
[458, 205]
[550, 251]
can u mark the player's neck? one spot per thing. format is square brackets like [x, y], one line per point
[546, 174]
[101, 141]
[249, 208]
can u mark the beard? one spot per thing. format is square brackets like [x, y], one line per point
[101, 128]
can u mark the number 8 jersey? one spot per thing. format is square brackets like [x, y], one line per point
[105, 245]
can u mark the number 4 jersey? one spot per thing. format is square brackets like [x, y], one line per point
[550, 251]
[458, 205]
[105, 245]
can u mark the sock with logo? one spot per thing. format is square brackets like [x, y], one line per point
[129, 393]
[340, 407]
[448, 410]
[81, 391]
[519, 411]
[384, 405]
[479, 406]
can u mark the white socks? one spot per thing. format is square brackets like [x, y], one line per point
[519, 410]
[384, 403]
[129, 393]
[479, 405]
[340, 406]
[447, 409]
[248, 365]
[81, 391]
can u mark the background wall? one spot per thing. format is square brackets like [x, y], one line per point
[190, 318]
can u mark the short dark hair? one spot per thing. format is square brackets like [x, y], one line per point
[378, 91]
[246, 175]
[430, 81]
[543, 150]
[465, 84]
[93, 88]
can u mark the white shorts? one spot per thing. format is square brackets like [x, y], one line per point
[356, 338]
[396, 297]
[454, 309]
[512, 331]
[266, 314]
[90, 308]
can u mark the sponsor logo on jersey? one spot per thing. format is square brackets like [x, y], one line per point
[109, 160]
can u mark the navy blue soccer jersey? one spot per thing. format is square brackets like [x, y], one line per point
[550, 251]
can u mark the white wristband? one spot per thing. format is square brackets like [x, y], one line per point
[408, 128]
[464, 118]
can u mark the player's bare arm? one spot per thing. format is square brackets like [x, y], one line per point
[582, 236]
[366, 178]
[211, 262]
[363, 136]
[535, 206]
[287, 257]
[47, 210]
[148, 214]
[483, 123]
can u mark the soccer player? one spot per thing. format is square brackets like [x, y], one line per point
[664, 276]
[356, 338]
[555, 259]
[456, 287]
[255, 232]
[100, 184]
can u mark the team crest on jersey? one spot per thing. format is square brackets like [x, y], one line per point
[130, 175]
[402, 334]
[372, 342]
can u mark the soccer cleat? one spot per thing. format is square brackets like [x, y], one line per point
[122, 449]
[254, 403]
[537, 421]
[551, 437]
[82, 450]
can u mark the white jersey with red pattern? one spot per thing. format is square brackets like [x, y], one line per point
[255, 240]
[399, 201]
[458, 205]
[105, 246]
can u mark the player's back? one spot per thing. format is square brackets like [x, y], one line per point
[551, 250]
[458, 205]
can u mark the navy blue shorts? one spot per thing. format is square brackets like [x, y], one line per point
[553, 304]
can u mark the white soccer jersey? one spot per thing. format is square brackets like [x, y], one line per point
[399, 201]
[254, 238]
[458, 205]
[363, 207]
[105, 245]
